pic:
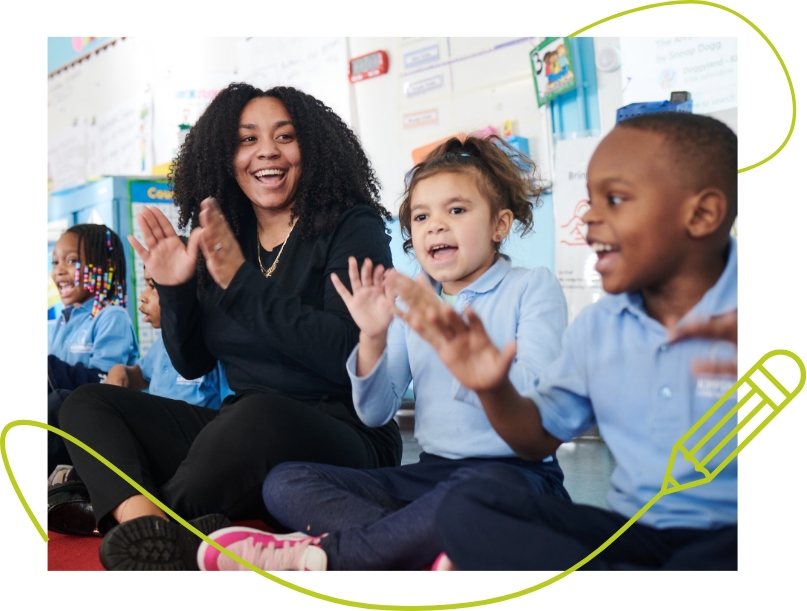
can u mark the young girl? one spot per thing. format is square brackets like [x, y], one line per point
[94, 331]
[458, 208]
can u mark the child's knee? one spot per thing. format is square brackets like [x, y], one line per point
[282, 485]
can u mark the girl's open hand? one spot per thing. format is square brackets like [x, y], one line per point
[223, 255]
[369, 304]
[464, 347]
[168, 260]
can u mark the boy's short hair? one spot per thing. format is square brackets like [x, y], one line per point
[704, 147]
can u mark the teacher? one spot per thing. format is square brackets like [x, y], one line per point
[279, 194]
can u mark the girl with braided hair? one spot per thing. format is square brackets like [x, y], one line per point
[94, 331]
[279, 194]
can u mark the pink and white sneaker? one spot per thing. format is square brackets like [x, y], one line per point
[443, 563]
[270, 552]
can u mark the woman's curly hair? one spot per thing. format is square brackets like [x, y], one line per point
[504, 176]
[335, 172]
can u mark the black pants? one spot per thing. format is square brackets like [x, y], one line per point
[199, 461]
[495, 525]
[57, 451]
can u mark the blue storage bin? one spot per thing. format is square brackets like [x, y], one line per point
[647, 108]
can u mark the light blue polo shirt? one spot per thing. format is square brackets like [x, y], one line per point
[97, 343]
[165, 381]
[617, 370]
[527, 305]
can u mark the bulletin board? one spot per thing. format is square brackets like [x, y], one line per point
[450, 85]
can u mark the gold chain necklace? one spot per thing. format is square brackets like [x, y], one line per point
[270, 271]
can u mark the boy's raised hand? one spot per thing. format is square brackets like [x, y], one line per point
[464, 347]
[169, 261]
[368, 304]
[723, 328]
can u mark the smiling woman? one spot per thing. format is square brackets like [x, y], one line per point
[262, 174]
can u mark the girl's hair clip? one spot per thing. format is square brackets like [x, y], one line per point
[464, 155]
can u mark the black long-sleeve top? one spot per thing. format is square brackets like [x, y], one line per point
[290, 333]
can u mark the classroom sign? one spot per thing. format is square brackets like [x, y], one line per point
[552, 69]
[158, 195]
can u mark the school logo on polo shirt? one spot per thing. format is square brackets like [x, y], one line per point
[80, 348]
[713, 388]
[184, 382]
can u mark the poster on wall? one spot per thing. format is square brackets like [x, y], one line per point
[574, 259]
[552, 69]
[180, 100]
[121, 140]
[706, 67]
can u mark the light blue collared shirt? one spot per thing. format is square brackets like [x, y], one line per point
[98, 343]
[525, 304]
[616, 369]
[165, 381]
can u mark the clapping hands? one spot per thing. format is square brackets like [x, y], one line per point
[370, 305]
[171, 262]
[462, 345]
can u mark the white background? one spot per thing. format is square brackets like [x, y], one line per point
[772, 532]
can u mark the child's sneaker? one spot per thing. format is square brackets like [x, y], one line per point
[59, 475]
[443, 563]
[270, 552]
[150, 543]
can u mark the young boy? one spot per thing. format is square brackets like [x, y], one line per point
[154, 370]
[663, 192]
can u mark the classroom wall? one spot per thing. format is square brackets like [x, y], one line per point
[119, 112]
[483, 82]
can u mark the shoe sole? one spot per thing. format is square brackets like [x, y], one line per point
[153, 544]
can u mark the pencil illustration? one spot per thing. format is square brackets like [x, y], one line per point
[723, 431]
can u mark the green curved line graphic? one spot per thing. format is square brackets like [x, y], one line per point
[357, 604]
[477, 603]
[746, 20]
[278, 580]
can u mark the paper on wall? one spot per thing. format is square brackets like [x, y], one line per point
[574, 260]
[120, 141]
[706, 67]
[67, 156]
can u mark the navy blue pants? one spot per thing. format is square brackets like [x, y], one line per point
[382, 519]
[507, 525]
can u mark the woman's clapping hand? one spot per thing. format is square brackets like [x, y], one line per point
[223, 255]
[169, 261]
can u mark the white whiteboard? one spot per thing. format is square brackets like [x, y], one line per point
[317, 66]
